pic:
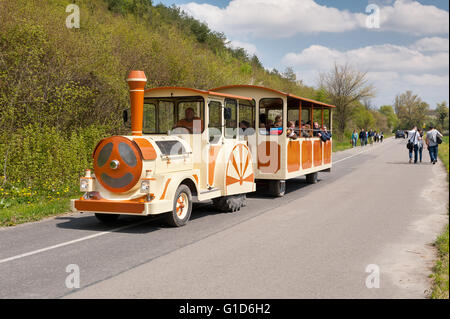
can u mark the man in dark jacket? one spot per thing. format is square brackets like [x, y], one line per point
[362, 137]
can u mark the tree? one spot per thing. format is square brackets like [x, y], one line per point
[391, 117]
[442, 115]
[346, 86]
[362, 117]
[411, 110]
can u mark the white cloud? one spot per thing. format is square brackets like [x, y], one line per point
[249, 47]
[414, 18]
[426, 79]
[268, 18]
[391, 68]
[286, 18]
[431, 44]
[386, 57]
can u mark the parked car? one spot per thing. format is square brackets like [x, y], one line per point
[400, 134]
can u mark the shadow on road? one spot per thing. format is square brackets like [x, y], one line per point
[407, 163]
[292, 185]
[89, 222]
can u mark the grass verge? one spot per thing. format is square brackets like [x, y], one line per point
[24, 213]
[440, 270]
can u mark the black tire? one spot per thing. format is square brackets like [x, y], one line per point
[231, 203]
[311, 178]
[177, 217]
[107, 218]
[277, 188]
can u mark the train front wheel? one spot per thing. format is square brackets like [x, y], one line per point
[182, 207]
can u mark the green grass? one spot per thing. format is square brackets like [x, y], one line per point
[24, 213]
[341, 145]
[443, 152]
[440, 270]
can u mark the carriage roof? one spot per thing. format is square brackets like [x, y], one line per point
[179, 90]
[256, 87]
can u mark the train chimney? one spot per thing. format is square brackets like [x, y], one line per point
[136, 81]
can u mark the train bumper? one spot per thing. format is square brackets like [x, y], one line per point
[121, 207]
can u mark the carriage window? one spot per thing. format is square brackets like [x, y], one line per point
[196, 106]
[189, 116]
[271, 116]
[246, 118]
[306, 124]
[292, 120]
[165, 116]
[215, 121]
[327, 118]
[230, 115]
[149, 125]
[318, 116]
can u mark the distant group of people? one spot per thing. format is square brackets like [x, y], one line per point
[366, 137]
[416, 143]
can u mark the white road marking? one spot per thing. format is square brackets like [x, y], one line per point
[34, 252]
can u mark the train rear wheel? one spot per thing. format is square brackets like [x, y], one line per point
[311, 178]
[277, 188]
[107, 218]
[230, 203]
[182, 207]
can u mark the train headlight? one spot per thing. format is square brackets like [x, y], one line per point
[145, 186]
[87, 182]
[84, 185]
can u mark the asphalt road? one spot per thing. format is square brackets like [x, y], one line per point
[316, 242]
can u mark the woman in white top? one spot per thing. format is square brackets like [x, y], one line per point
[420, 144]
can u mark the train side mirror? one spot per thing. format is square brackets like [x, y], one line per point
[126, 115]
[227, 113]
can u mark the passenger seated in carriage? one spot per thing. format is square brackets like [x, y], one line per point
[189, 120]
[290, 132]
[306, 130]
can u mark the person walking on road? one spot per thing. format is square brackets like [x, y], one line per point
[370, 135]
[420, 144]
[413, 144]
[433, 139]
[362, 137]
[354, 138]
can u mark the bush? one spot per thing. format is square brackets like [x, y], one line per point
[42, 162]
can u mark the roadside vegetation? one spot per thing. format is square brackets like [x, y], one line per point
[62, 90]
[440, 272]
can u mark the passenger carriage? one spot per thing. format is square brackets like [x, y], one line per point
[278, 157]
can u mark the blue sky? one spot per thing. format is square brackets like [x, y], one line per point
[409, 50]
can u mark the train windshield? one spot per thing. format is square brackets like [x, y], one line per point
[177, 115]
